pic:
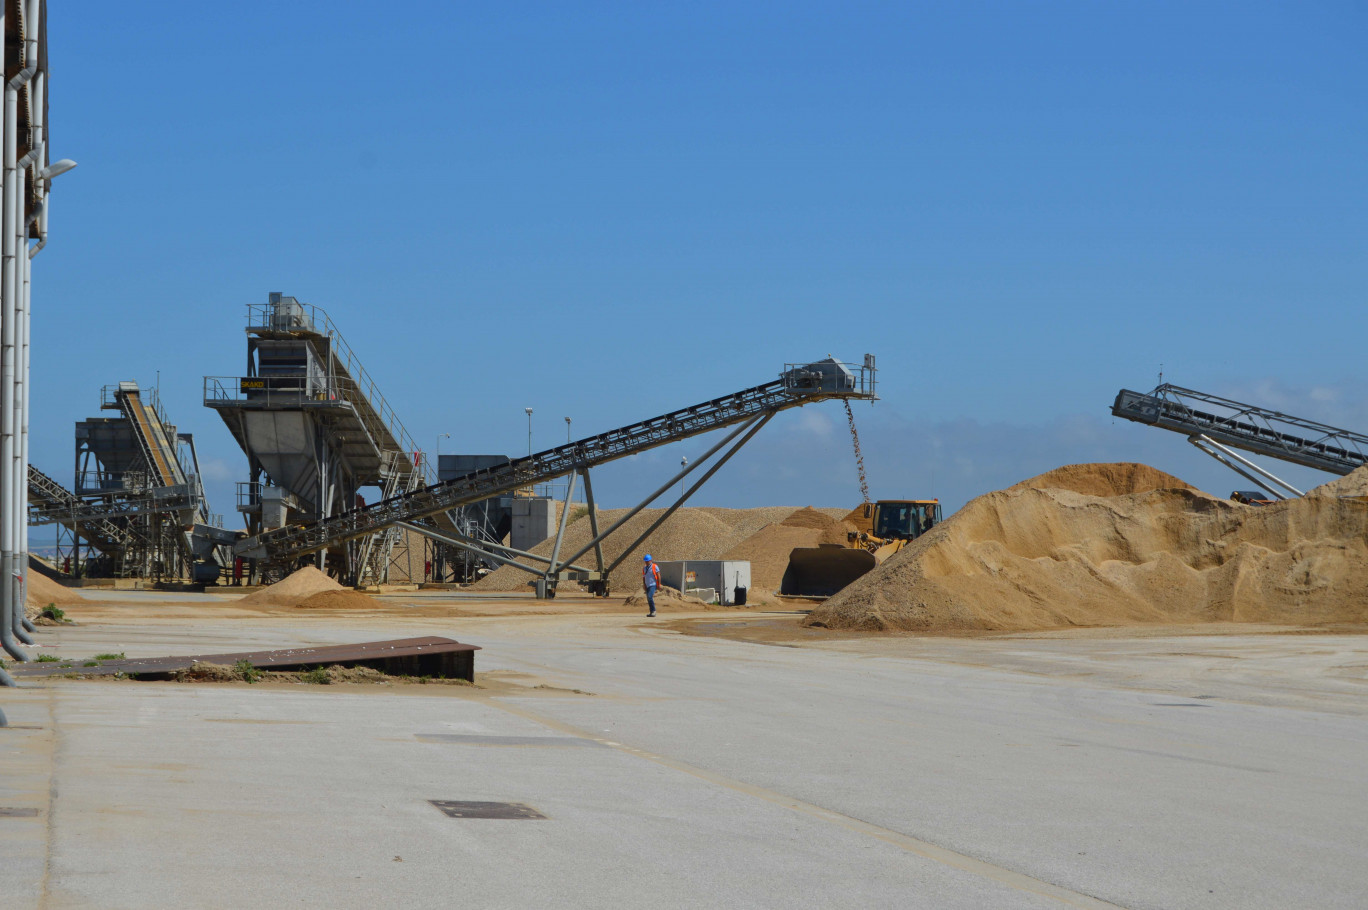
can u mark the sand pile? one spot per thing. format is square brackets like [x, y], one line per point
[1097, 545]
[668, 598]
[702, 533]
[768, 549]
[1355, 484]
[43, 591]
[310, 589]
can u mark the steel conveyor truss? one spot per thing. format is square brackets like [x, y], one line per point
[798, 385]
[1245, 426]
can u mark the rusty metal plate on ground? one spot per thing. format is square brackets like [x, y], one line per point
[13, 812]
[427, 656]
[466, 809]
[472, 739]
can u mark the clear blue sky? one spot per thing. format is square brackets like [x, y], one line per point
[609, 211]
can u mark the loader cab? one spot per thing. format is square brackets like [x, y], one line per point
[905, 519]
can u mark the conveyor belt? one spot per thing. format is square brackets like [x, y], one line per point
[795, 388]
[1245, 426]
[55, 504]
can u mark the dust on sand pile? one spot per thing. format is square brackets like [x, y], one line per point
[309, 588]
[43, 591]
[768, 549]
[701, 533]
[1107, 544]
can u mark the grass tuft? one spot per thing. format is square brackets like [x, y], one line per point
[244, 669]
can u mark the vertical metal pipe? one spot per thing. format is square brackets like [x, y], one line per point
[20, 483]
[8, 201]
[22, 479]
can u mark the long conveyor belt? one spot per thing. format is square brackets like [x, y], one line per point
[157, 449]
[54, 503]
[1246, 426]
[796, 387]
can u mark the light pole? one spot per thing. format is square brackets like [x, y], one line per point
[567, 431]
[683, 463]
[529, 431]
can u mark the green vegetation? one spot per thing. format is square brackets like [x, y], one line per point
[119, 656]
[54, 613]
[246, 671]
[317, 676]
[91, 663]
[48, 658]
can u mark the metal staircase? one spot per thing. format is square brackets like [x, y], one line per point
[1245, 426]
[798, 385]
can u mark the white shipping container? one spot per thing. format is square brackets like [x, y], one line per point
[722, 576]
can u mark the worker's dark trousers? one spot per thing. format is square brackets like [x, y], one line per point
[650, 596]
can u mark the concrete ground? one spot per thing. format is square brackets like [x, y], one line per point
[676, 770]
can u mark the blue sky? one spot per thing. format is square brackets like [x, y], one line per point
[608, 211]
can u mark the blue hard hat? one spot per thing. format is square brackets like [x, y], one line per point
[648, 557]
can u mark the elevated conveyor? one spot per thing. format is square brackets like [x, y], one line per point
[155, 440]
[798, 385]
[52, 503]
[1245, 426]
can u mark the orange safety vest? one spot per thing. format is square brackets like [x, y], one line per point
[654, 570]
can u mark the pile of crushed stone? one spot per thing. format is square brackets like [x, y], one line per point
[1116, 545]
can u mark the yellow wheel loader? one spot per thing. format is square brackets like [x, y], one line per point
[881, 529]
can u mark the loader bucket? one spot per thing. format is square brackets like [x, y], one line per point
[822, 571]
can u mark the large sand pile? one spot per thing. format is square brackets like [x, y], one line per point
[699, 533]
[43, 591]
[1096, 545]
[310, 589]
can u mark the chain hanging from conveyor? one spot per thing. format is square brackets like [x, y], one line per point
[859, 456]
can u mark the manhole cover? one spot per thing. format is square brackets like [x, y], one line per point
[13, 812]
[465, 809]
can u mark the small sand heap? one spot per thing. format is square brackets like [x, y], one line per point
[309, 589]
[668, 597]
[1117, 544]
[43, 591]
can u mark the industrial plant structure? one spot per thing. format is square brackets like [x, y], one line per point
[25, 204]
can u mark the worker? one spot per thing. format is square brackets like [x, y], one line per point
[650, 580]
